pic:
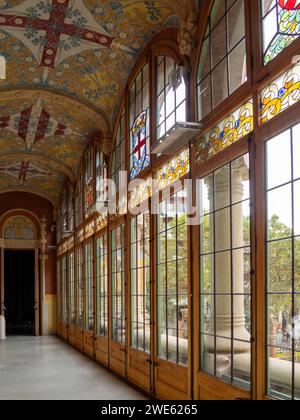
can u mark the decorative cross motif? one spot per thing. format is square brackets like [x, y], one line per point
[141, 143]
[139, 135]
[33, 125]
[23, 172]
[54, 28]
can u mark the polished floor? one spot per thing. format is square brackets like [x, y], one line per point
[47, 369]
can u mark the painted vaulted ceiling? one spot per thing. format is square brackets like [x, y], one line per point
[67, 64]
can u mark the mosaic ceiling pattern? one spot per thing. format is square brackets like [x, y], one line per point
[67, 64]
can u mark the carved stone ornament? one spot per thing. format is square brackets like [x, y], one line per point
[187, 32]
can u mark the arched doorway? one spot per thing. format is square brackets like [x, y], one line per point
[20, 244]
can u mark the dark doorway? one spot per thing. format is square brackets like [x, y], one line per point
[19, 284]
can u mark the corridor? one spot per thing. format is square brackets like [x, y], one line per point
[45, 368]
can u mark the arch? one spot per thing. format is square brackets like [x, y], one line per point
[26, 215]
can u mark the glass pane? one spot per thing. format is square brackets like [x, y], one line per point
[279, 156]
[237, 67]
[280, 217]
[218, 42]
[280, 266]
[220, 83]
[204, 98]
[236, 24]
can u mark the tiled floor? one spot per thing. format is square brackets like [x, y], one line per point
[47, 369]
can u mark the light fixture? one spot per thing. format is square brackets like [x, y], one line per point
[2, 68]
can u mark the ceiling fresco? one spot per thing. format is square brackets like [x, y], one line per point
[67, 64]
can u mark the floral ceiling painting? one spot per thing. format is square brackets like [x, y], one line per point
[68, 62]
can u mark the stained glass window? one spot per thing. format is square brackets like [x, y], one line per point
[281, 26]
[173, 170]
[140, 283]
[223, 65]
[225, 273]
[172, 279]
[118, 285]
[102, 286]
[19, 227]
[140, 123]
[170, 95]
[234, 127]
[282, 194]
[141, 193]
[281, 94]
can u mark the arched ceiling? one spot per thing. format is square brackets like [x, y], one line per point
[67, 64]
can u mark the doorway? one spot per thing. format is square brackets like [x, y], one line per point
[19, 285]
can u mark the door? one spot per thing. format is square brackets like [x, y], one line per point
[19, 286]
[139, 361]
[172, 300]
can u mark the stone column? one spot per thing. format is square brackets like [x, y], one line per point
[223, 269]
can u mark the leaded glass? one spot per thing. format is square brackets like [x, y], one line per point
[140, 153]
[227, 132]
[281, 94]
[174, 169]
[281, 26]
[140, 123]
